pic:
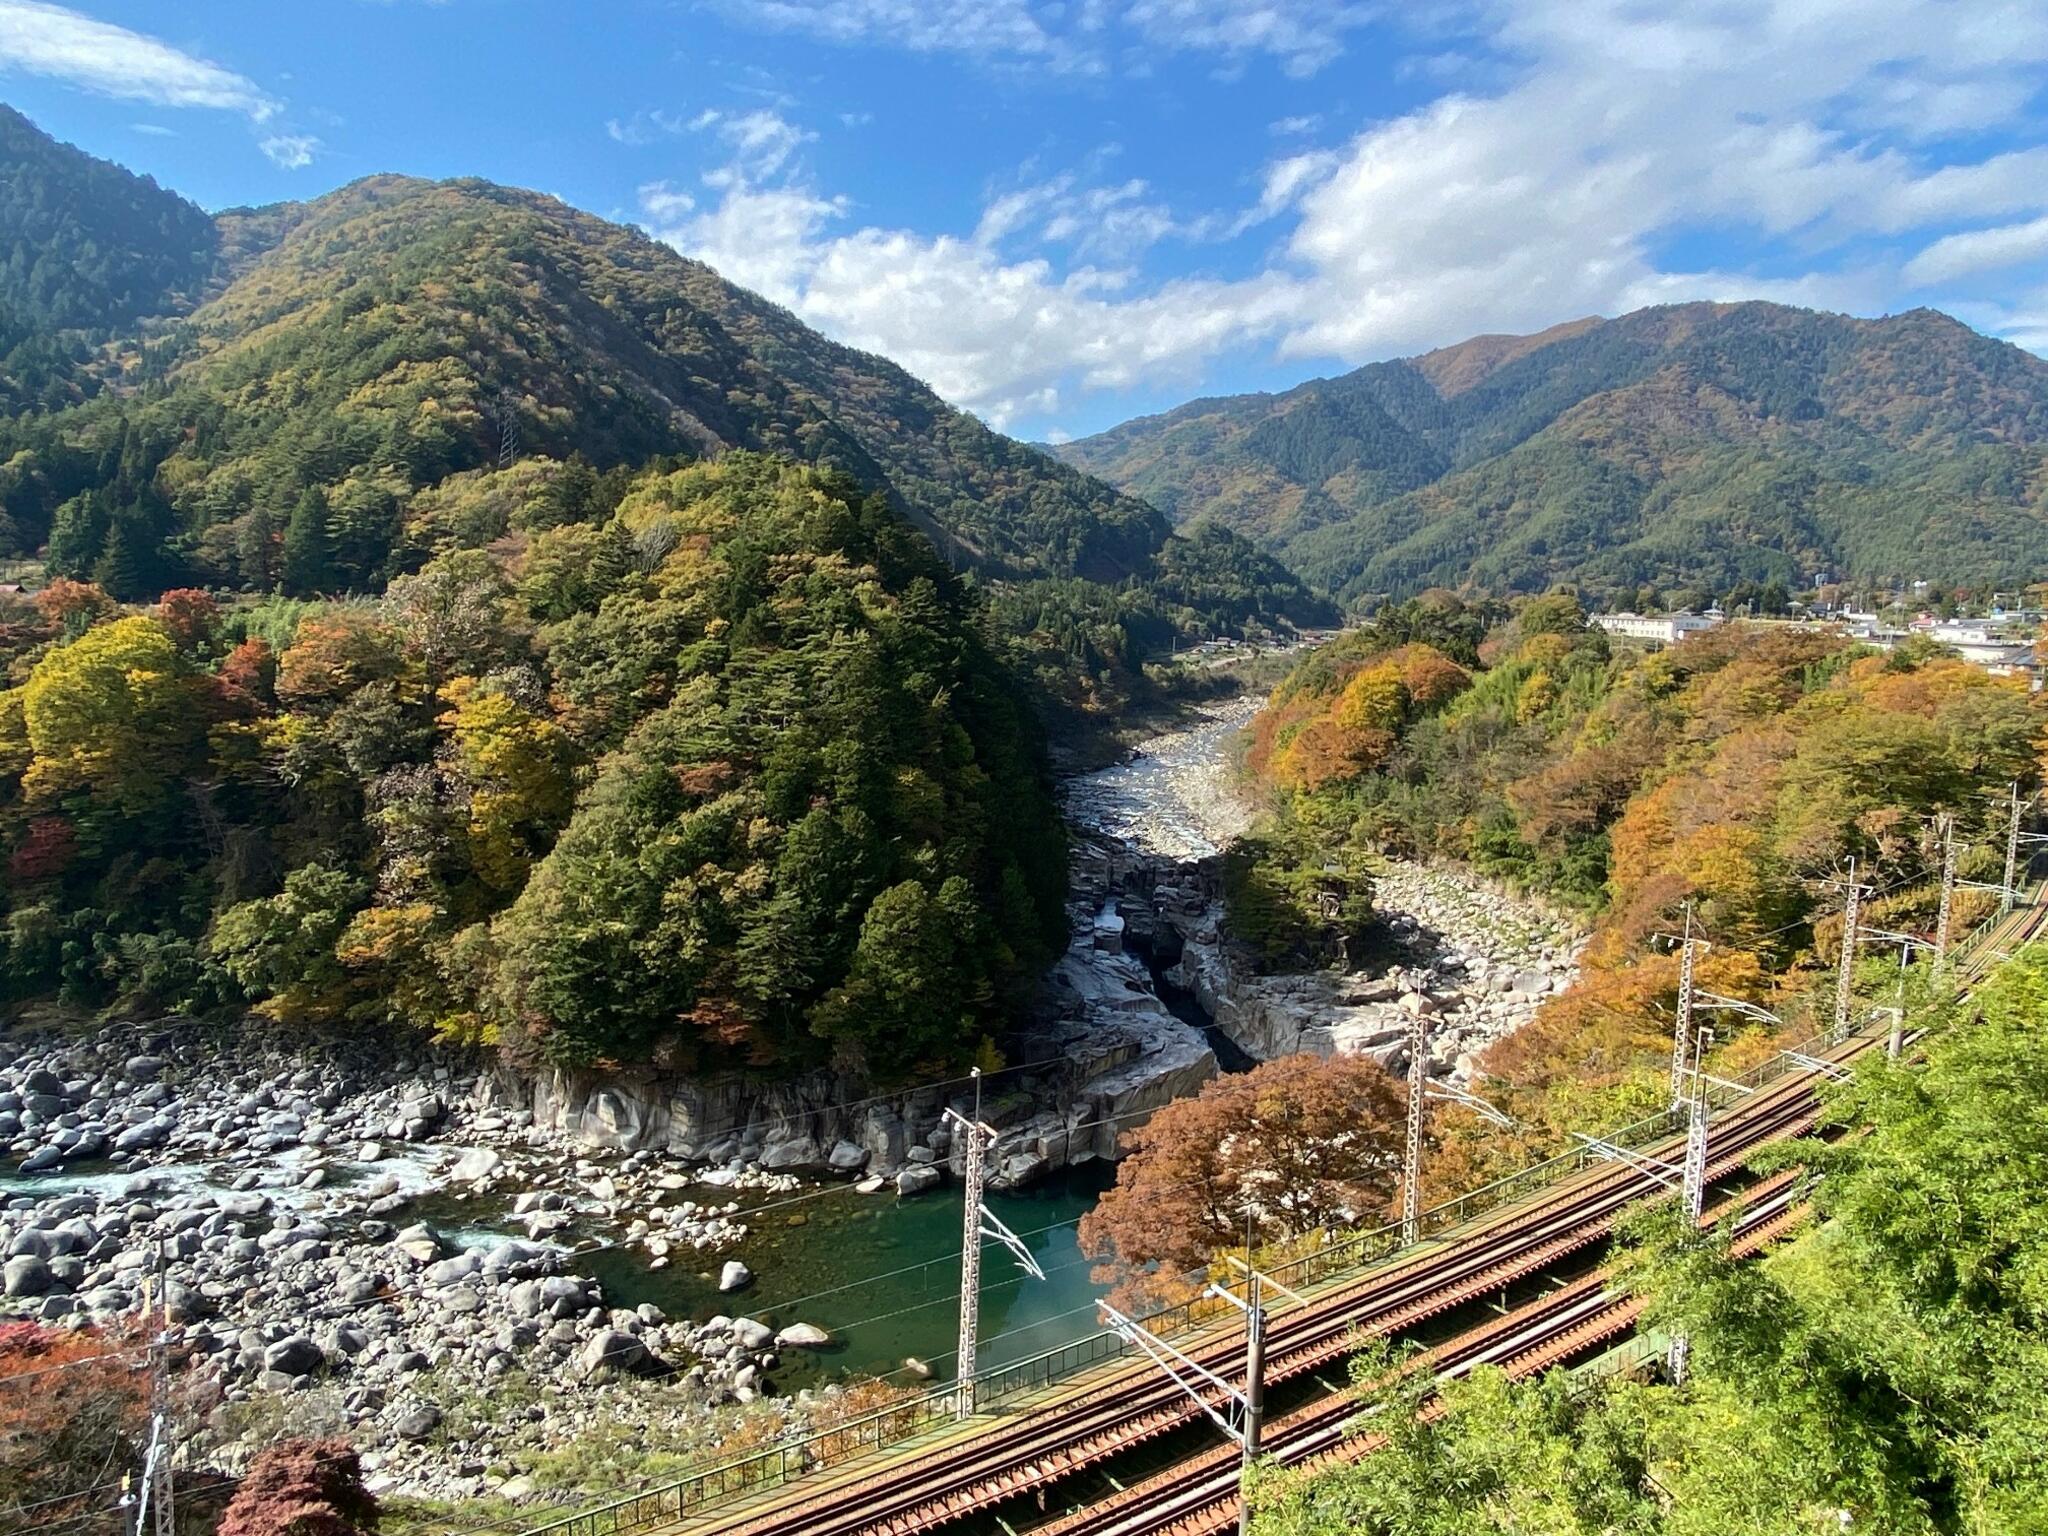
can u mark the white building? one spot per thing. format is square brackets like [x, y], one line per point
[1661, 629]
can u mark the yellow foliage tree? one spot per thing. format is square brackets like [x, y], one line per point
[107, 714]
[519, 787]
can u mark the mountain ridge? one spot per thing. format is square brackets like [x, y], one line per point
[361, 347]
[1783, 442]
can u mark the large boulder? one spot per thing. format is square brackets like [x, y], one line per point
[610, 1353]
[916, 1180]
[734, 1276]
[802, 1336]
[476, 1164]
[295, 1356]
[798, 1152]
[28, 1275]
[144, 1137]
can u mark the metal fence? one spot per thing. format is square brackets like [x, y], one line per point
[1338, 1254]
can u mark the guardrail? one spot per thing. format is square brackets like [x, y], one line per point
[1342, 1253]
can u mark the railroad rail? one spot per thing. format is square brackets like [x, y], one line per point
[1125, 1408]
[1199, 1495]
[1519, 1227]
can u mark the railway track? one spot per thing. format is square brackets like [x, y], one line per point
[1199, 1496]
[1130, 1406]
[1115, 1410]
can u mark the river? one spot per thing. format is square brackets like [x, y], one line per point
[882, 1274]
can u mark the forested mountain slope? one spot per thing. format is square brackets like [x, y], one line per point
[360, 348]
[722, 771]
[84, 242]
[1697, 444]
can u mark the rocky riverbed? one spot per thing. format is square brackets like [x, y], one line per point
[400, 1247]
[343, 1242]
[1472, 963]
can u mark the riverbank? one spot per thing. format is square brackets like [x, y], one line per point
[482, 1278]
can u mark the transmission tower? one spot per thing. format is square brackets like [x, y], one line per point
[500, 411]
[1694, 1191]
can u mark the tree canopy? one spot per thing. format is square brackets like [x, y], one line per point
[726, 772]
[1883, 1370]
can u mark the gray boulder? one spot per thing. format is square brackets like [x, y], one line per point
[799, 1152]
[475, 1164]
[610, 1353]
[295, 1356]
[28, 1275]
[734, 1276]
[916, 1180]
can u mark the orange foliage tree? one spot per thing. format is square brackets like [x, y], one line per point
[1295, 1144]
[71, 1413]
[302, 1488]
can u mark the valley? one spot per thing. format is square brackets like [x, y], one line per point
[548, 798]
[445, 1258]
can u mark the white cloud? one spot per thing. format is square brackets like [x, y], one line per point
[1081, 38]
[153, 130]
[62, 44]
[1630, 125]
[760, 142]
[1979, 250]
[1594, 147]
[290, 151]
[644, 127]
[663, 203]
[1303, 35]
[1001, 336]
[923, 26]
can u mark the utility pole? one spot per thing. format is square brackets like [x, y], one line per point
[1254, 1394]
[1681, 1036]
[157, 1497]
[2010, 889]
[1411, 1163]
[979, 1137]
[1241, 1411]
[1845, 979]
[1948, 888]
[1694, 1192]
[977, 1222]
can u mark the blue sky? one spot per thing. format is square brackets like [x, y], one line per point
[1064, 214]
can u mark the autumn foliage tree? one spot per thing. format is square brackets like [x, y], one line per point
[71, 1412]
[1298, 1143]
[302, 1488]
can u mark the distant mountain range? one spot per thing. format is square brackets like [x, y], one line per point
[173, 384]
[1687, 445]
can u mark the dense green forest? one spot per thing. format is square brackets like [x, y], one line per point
[354, 352]
[1686, 447]
[86, 244]
[1884, 1370]
[1737, 772]
[705, 765]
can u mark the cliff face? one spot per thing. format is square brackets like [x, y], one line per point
[1102, 1052]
